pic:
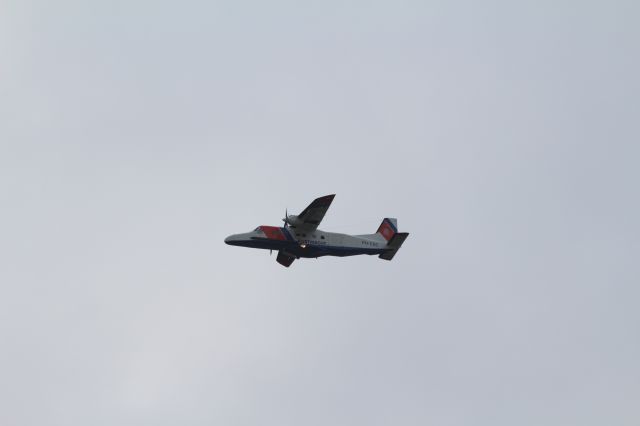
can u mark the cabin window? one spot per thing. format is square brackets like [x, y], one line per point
[322, 237]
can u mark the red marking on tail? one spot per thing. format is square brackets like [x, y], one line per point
[386, 230]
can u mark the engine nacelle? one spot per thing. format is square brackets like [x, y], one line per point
[293, 220]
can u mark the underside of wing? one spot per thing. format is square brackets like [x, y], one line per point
[311, 217]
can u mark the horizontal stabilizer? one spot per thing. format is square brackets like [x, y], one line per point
[394, 245]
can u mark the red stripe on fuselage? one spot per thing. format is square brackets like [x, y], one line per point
[273, 233]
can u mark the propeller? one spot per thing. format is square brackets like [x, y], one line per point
[286, 218]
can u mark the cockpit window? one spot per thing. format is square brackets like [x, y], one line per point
[257, 229]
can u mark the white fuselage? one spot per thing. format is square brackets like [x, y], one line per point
[314, 243]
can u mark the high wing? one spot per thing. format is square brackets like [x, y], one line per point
[311, 217]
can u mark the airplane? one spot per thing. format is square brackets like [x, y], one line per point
[301, 238]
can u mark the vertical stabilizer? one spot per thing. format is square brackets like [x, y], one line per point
[388, 228]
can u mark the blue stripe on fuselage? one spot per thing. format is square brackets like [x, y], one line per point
[310, 250]
[287, 234]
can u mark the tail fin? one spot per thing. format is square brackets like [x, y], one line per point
[389, 231]
[388, 228]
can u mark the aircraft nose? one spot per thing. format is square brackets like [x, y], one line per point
[232, 239]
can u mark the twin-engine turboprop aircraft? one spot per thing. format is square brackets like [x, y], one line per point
[300, 237]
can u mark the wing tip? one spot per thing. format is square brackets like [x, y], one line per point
[323, 201]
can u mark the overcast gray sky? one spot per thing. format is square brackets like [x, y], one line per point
[136, 135]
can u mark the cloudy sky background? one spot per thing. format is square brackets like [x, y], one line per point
[136, 135]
